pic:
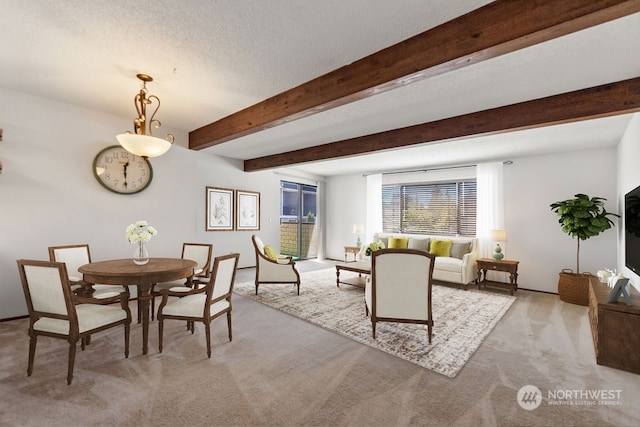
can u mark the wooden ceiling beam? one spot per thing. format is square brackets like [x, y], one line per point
[496, 29]
[601, 101]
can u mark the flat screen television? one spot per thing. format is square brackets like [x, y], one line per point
[632, 230]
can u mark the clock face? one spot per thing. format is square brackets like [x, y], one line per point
[122, 172]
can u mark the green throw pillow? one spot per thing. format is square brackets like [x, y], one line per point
[270, 253]
[441, 247]
[398, 242]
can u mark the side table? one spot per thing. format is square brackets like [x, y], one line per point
[491, 264]
[351, 250]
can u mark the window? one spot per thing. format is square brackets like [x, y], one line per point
[297, 201]
[447, 208]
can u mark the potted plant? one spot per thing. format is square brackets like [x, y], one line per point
[581, 217]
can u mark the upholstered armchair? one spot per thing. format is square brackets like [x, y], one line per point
[73, 256]
[202, 304]
[272, 267]
[399, 289]
[54, 310]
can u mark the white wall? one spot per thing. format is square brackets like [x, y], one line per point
[346, 205]
[531, 184]
[628, 178]
[49, 196]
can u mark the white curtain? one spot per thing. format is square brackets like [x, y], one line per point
[490, 204]
[321, 225]
[374, 207]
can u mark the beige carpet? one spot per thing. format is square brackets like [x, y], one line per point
[462, 319]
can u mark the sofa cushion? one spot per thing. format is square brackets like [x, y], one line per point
[445, 263]
[440, 247]
[398, 242]
[458, 249]
[419, 244]
[270, 253]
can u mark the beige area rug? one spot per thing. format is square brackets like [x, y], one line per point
[462, 319]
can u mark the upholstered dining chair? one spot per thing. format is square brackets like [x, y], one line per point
[198, 252]
[73, 256]
[272, 267]
[399, 289]
[202, 304]
[55, 311]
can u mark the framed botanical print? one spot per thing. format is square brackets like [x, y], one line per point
[247, 210]
[220, 206]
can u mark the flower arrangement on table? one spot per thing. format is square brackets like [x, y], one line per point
[140, 233]
[373, 246]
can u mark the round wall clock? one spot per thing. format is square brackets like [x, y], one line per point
[122, 172]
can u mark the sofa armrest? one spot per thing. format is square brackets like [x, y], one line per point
[469, 267]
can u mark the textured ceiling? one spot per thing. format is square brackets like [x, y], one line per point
[210, 59]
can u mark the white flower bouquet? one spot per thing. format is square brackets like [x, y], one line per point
[140, 231]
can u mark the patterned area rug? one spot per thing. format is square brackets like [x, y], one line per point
[462, 319]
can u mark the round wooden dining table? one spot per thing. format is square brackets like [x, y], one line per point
[125, 272]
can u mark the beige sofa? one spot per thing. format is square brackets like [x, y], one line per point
[459, 268]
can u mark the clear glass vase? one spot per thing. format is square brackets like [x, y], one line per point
[140, 255]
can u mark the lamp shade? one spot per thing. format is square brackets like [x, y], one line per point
[498, 235]
[358, 228]
[143, 145]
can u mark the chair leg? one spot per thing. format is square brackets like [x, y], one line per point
[72, 359]
[160, 323]
[127, 329]
[32, 353]
[153, 305]
[256, 288]
[298, 288]
[207, 329]
[229, 325]
[139, 311]
[373, 329]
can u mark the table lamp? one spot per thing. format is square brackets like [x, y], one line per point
[498, 236]
[358, 229]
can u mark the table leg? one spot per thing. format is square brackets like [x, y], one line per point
[144, 296]
[513, 279]
[337, 277]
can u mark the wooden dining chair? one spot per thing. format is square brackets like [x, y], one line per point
[198, 252]
[54, 310]
[73, 256]
[202, 304]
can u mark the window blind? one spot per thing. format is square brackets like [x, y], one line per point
[447, 208]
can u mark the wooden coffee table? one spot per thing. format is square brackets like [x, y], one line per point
[360, 267]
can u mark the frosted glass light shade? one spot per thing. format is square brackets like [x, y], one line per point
[143, 145]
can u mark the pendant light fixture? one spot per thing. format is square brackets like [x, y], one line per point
[142, 143]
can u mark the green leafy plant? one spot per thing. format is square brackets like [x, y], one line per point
[583, 217]
[373, 246]
[311, 217]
